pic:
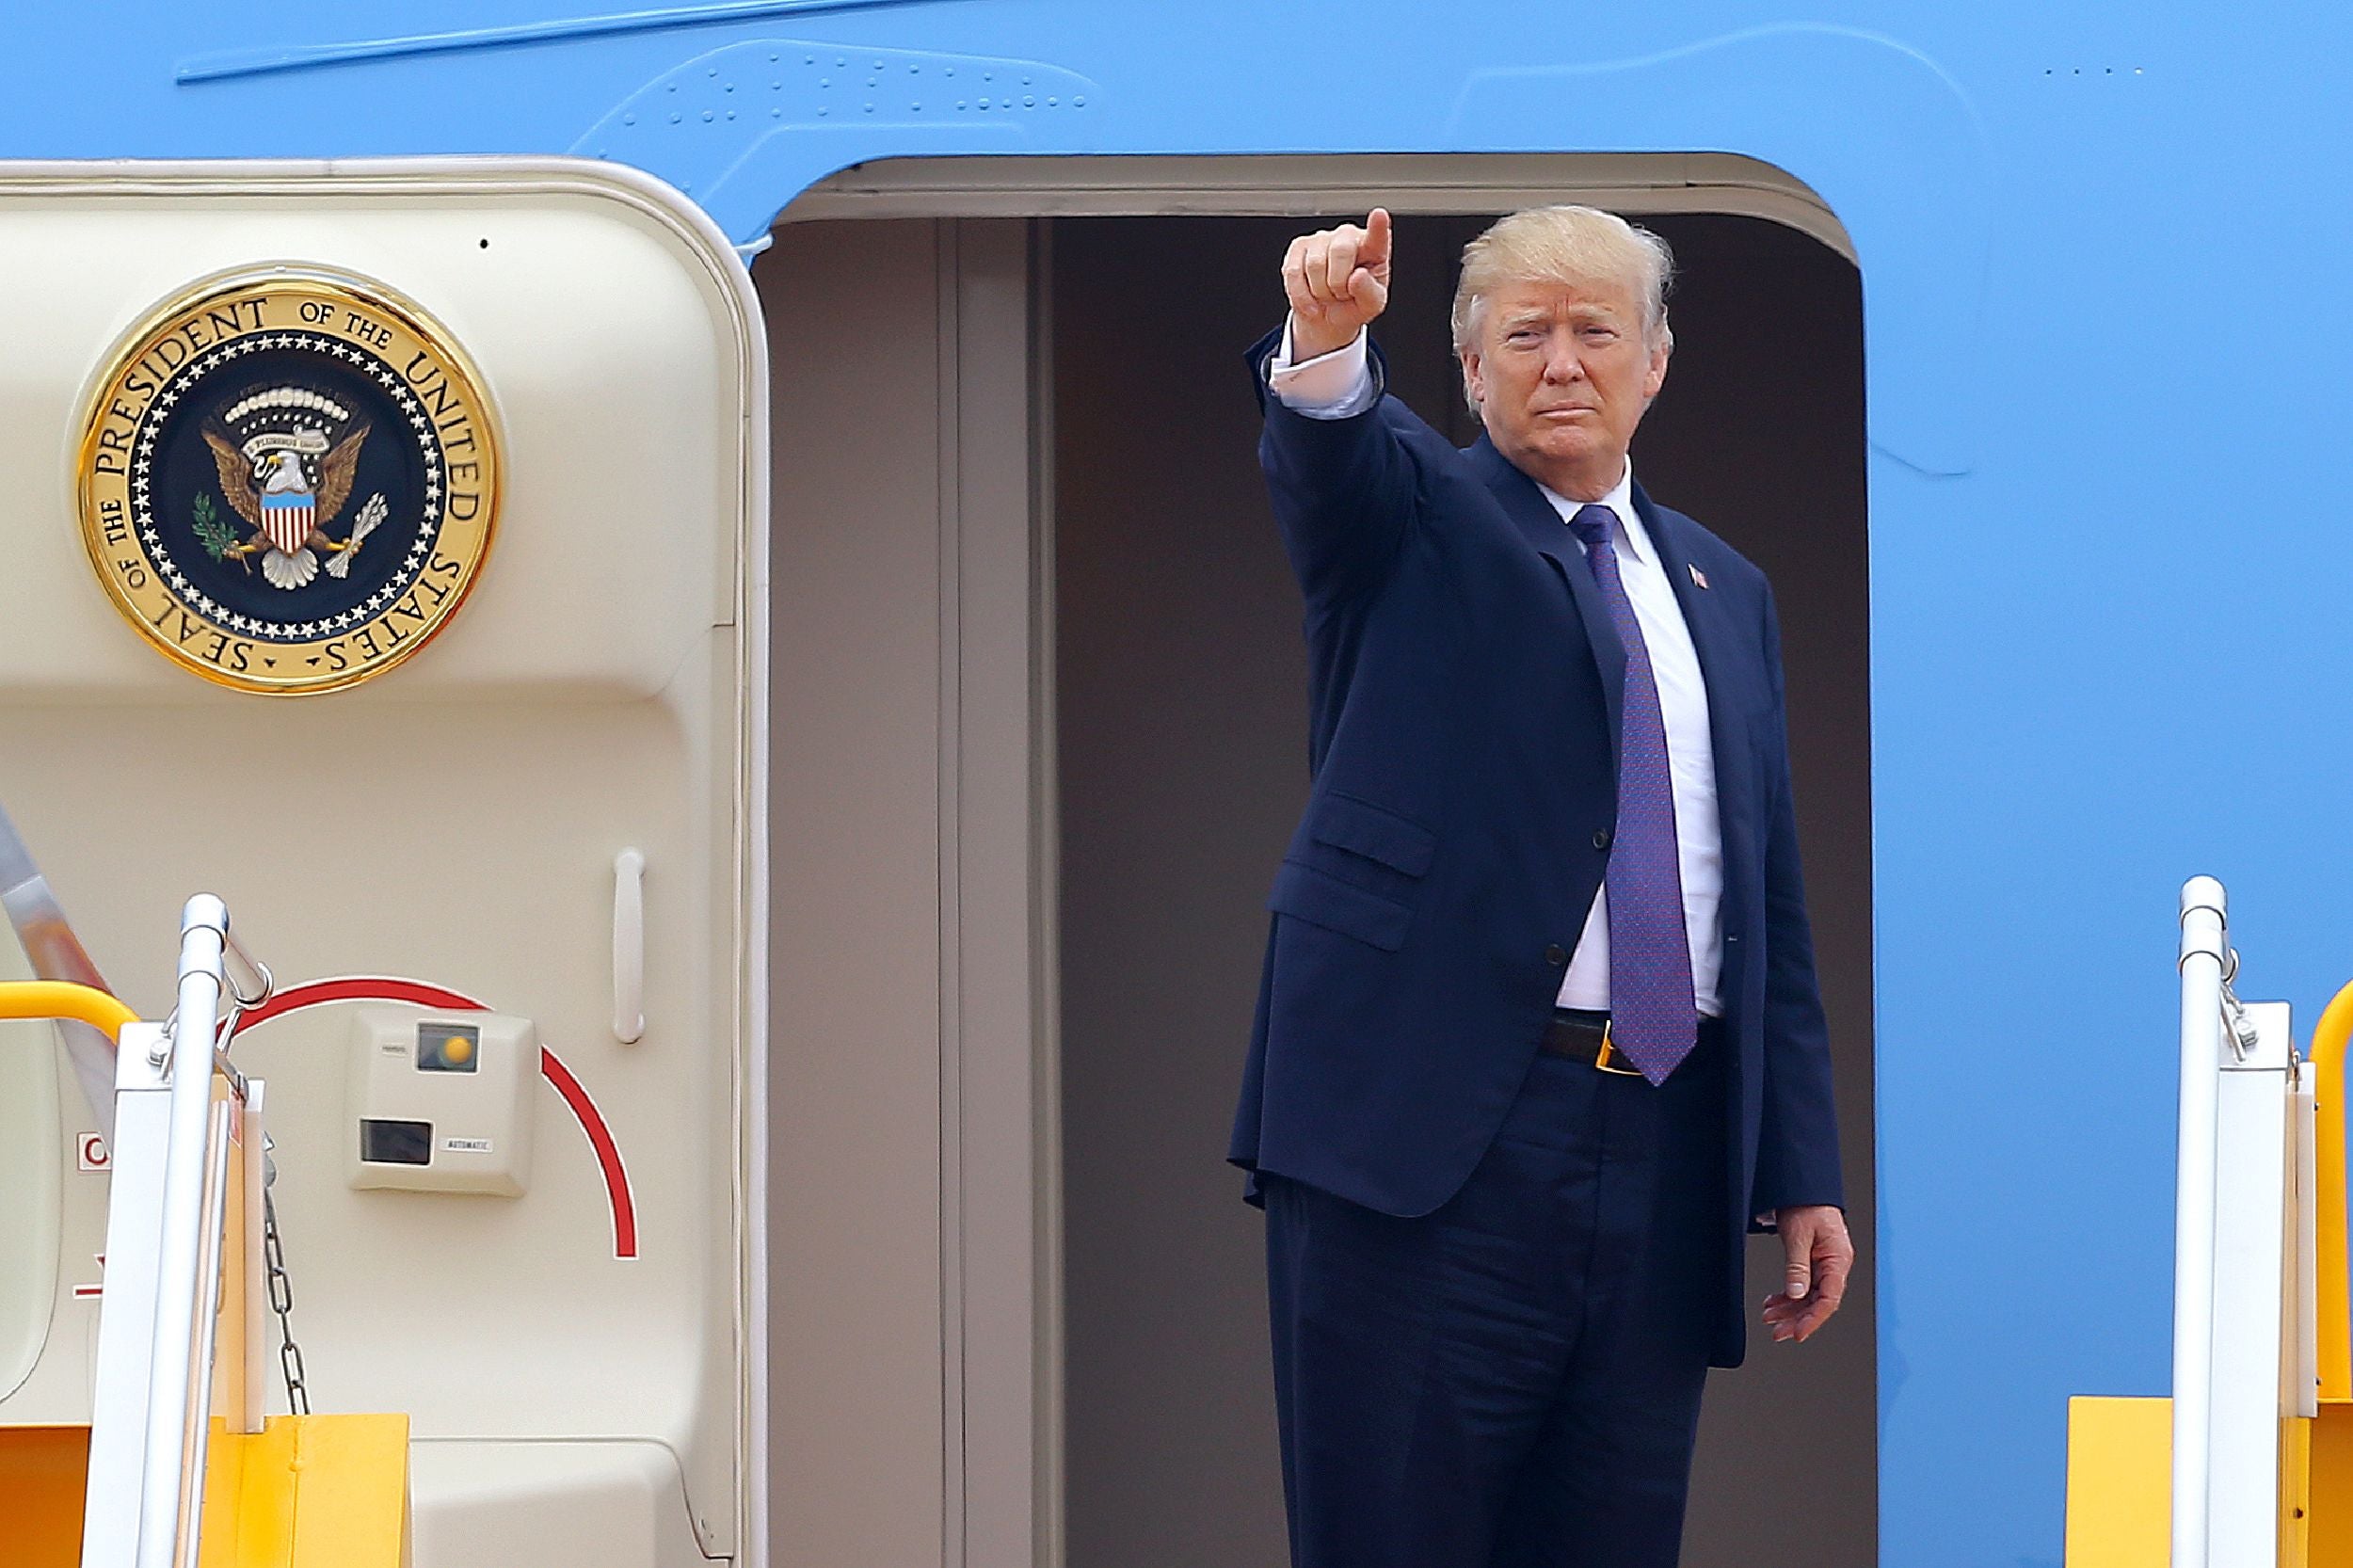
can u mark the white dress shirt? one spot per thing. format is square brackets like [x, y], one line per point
[1338, 384]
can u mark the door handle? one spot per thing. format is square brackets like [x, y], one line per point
[629, 947]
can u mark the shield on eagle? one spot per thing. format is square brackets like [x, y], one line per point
[287, 518]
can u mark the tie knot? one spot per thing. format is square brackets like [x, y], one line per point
[1591, 524]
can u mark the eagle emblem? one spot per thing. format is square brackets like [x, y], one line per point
[288, 484]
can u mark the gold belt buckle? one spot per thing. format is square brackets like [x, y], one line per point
[1609, 1050]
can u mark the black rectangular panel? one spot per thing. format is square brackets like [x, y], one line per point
[387, 1143]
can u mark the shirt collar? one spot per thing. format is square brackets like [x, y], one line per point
[1620, 501]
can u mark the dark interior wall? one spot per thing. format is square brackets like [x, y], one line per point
[1183, 751]
[1179, 696]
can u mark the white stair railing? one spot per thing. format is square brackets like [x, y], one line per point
[168, 1207]
[2243, 1269]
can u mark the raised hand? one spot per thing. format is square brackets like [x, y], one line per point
[1338, 280]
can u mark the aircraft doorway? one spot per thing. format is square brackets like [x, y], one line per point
[1038, 742]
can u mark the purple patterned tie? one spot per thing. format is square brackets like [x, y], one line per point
[1653, 1019]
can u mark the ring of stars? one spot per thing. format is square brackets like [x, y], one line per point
[362, 362]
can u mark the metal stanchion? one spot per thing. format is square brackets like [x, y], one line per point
[2202, 955]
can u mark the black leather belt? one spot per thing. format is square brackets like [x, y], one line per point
[1585, 1037]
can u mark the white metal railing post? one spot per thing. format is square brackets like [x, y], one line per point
[2303, 1368]
[180, 1386]
[167, 1207]
[2252, 1351]
[2204, 942]
[254, 1198]
[123, 1379]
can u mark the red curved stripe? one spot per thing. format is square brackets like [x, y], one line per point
[317, 993]
[608, 1152]
[358, 988]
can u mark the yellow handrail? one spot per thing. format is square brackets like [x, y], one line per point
[60, 998]
[2331, 1288]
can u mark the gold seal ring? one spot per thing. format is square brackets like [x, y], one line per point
[288, 479]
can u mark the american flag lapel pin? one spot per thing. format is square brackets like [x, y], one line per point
[1699, 578]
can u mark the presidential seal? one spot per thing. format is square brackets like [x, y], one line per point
[288, 480]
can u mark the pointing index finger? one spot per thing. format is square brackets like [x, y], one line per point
[1373, 251]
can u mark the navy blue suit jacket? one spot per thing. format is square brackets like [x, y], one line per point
[1464, 686]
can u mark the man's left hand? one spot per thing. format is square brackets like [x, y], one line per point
[1820, 1256]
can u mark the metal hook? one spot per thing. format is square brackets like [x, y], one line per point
[264, 985]
[2243, 1034]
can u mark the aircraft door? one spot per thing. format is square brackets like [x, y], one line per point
[380, 546]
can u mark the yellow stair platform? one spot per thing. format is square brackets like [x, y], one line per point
[2120, 1457]
[44, 1471]
[305, 1492]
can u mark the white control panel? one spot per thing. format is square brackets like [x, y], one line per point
[441, 1102]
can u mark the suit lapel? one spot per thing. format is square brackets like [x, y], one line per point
[1722, 667]
[1549, 537]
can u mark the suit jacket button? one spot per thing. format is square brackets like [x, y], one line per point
[1556, 955]
[1601, 838]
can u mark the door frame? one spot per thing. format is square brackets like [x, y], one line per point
[1016, 1319]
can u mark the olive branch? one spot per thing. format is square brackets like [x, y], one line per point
[217, 537]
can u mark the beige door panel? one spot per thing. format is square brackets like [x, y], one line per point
[454, 822]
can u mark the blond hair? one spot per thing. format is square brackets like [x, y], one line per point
[1564, 245]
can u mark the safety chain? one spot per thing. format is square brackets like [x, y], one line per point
[263, 986]
[281, 1303]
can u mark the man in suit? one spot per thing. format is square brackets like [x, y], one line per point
[1538, 1039]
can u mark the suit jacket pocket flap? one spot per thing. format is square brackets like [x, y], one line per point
[1346, 822]
[1306, 893]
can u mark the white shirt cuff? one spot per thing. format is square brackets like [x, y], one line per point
[1330, 386]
